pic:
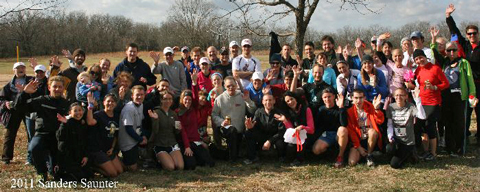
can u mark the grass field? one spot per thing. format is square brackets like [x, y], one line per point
[446, 174]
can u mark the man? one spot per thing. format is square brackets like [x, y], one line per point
[312, 91]
[256, 89]
[70, 74]
[275, 74]
[332, 126]
[328, 46]
[171, 70]
[186, 59]
[308, 62]
[234, 48]
[136, 67]
[364, 119]
[287, 59]
[212, 56]
[264, 130]
[246, 64]
[472, 53]
[46, 109]
[131, 133]
[194, 64]
[11, 118]
[417, 40]
[279, 89]
[225, 67]
[228, 116]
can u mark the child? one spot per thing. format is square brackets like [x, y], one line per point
[217, 81]
[401, 135]
[204, 110]
[72, 146]
[86, 84]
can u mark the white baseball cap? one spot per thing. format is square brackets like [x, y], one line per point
[246, 42]
[40, 67]
[233, 43]
[257, 75]
[204, 60]
[18, 64]
[167, 50]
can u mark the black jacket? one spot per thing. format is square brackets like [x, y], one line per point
[46, 108]
[6, 94]
[138, 69]
[71, 73]
[268, 126]
[330, 119]
[72, 142]
[473, 55]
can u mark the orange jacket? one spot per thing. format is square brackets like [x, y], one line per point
[374, 116]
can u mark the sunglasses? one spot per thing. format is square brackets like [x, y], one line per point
[472, 33]
[449, 50]
[247, 46]
[275, 63]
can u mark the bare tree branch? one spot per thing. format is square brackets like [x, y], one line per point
[29, 5]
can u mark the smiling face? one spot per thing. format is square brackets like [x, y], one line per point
[168, 57]
[19, 71]
[317, 74]
[406, 45]
[167, 100]
[421, 60]
[56, 89]
[76, 112]
[257, 84]
[105, 65]
[417, 42]
[187, 101]
[328, 99]
[109, 103]
[246, 49]
[196, 56]
[387, 50]
[327, 46]
[212, 53]
[397, 56]
[132, 53]
[217, 81]
[268, 101]
[322, 60]
[286, 49]
[39, 74]
[137, 96]
[452, 50]
[472, 35]
[343, 69]
[358, 99]
[309, 51]
[400, 97]
[291, 102]
[231, 86]
[79, 59]
[234, 49]
[367, 66]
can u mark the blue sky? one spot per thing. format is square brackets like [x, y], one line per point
[327, 17]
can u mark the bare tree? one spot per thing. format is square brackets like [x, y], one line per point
[302, 10]
[6, 8]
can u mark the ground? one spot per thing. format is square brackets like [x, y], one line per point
[318, 174]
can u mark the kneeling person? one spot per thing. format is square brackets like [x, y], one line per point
[332, 125]
[264, 130]
[363, 130]
[400, 129]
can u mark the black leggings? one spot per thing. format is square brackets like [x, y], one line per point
[400, 152]
[432, 113]
[292, 153]
[233, 140]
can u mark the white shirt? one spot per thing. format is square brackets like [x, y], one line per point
[428, 52]
[251, 64]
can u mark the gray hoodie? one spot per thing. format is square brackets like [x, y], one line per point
[233, 106]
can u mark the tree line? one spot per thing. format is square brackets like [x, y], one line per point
[187, 23]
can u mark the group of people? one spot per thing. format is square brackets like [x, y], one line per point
[402, 102]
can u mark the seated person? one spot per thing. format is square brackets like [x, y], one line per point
[332, 125]
[265, 131]
[364, 119]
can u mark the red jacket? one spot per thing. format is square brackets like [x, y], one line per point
[434, 74]
[204, 82]
[374, 116]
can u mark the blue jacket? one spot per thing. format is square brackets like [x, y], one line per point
[138, 69]
[328, 76]
[371, 92]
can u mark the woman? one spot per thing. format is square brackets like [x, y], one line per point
[217, 81]
[297, 115]
[103, 138]
[371, 81]
[164, 128]
[107, 79]
[194, 150]
[346, 80]
[454, 103]
[398, 71]
[329, 75]
[122, 90]
[432, 81]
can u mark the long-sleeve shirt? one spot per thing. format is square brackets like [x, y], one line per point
[138, 69]
[436, 77]
[370, 91]
[163, 129]
[268, 125]
[174, 73]
[233, 106]
[72, 142]
[375, 117]
[330, 119]
[309, 127]
[472, 52]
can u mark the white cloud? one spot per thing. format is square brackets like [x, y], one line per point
[327, 17]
